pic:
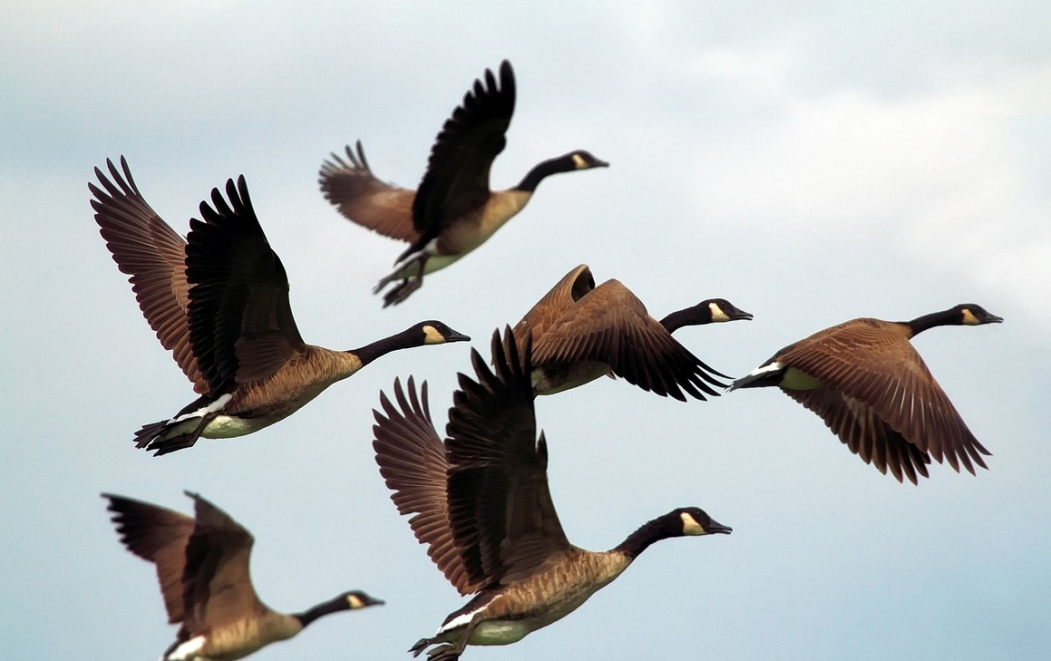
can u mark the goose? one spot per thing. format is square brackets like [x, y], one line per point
[202, 566]
[872, 389]
[219, 302]
[581, 332]
[481, 503]
[453, 211]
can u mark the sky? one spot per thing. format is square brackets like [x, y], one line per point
[811, 162]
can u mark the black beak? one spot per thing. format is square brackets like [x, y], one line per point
[741, 315]
[455, 336]
[716, 527]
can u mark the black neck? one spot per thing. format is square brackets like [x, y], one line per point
[336, 605]
[663, 527]
[544, 169]
[404, 340]
[690, 316]
[943, 318]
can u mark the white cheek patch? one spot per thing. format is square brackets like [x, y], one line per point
[969, 319]
[579, 161]
[690, 525]
[355, 601]
[432, 336]
[718, 315]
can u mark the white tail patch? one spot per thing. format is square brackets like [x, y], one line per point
[217, 405]
[765, 369]
[460, 620]
[187, 650]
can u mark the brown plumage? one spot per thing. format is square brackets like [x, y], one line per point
[453, 211]
[872, 389]
[360, 196]
[202, 566]
[219, 302]
[581, 332]
[481, 504]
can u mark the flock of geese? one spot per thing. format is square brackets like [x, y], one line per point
[479, 499]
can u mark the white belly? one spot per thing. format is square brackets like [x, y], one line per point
[500, 632]
[225, 426]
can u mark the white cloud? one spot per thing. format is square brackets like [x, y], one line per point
[936, 170]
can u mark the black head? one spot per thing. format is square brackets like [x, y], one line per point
[975, 315]
[583, 160]
[720, 310]
[435, 332]
[710, 311]
[358, 599]
[348, 601]
[696, 521]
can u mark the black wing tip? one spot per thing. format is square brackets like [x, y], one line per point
[117, 504]
[235, 204]
[118, 184]
[355, 164]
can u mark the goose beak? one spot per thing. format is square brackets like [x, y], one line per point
[600, 164]
[716, 527]
[993, 319]
[456, 336]
[741, 315]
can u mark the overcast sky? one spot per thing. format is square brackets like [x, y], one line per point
[811, 164]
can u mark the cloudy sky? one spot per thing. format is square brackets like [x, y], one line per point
[811, 163]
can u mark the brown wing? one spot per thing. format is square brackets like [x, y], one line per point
[241, 323]
[500, 507]
[457, 177]
[217, 588]
[412, 461]
[154, 255]
[873, 362]
[159, 535]
[549, 309]
[364, 199]
[864, 432]
[610, 325]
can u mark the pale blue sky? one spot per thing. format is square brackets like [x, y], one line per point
[811, 163]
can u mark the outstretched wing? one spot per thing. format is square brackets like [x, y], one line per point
[500, 507]
[864, 432]
[241, 323]
[554, 304]
[154, 255]
[457, 177]
[611, 325]
[159, 535]
[892, 381]
[412, 461]
[380, 206]
[217, 586]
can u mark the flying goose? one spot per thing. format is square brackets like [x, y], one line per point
[581, 332]
[481, 503]
[202, 567]
[872, 389]
[453, 211]
[219, 302]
